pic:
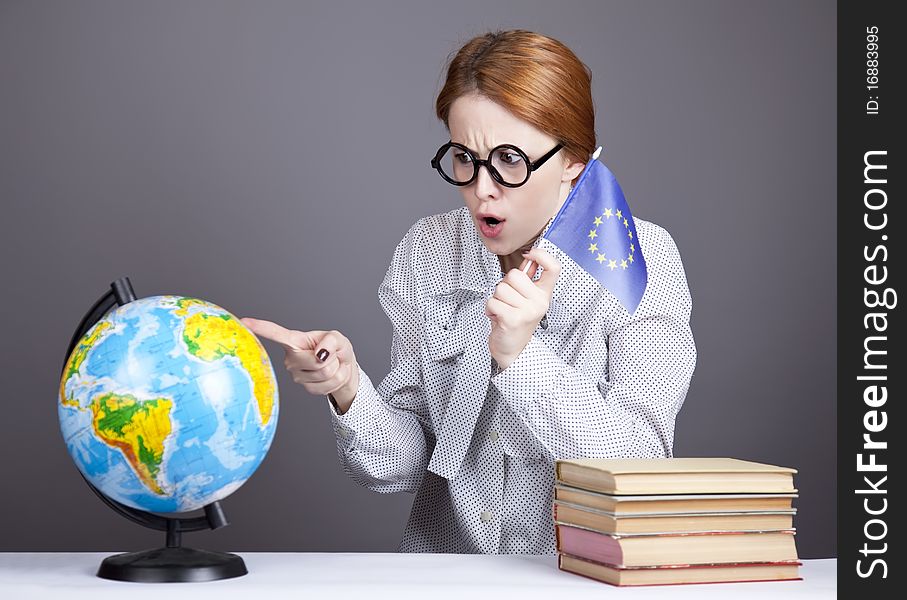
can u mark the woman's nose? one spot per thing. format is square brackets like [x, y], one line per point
[486, 186]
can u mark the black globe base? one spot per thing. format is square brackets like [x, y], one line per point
[162, 565]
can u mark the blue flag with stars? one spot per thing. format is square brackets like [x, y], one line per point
[595, 228]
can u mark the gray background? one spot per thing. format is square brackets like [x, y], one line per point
[268, 157]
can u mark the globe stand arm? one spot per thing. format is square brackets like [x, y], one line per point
[214, 515]
[121, 293]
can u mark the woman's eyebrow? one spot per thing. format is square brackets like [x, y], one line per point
[477, 153]
[468, 147]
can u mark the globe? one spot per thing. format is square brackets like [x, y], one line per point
[168, 404]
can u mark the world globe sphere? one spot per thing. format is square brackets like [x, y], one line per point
[168, 404]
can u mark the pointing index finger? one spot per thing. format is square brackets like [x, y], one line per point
[274, 332]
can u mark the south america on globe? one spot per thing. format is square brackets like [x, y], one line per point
[168, 404]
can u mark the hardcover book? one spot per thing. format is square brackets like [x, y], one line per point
[673, 503]
[676, 574]
[641, 550]
[618, 476]
[608, 522]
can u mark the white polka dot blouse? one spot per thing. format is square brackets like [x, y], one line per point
[476, 444]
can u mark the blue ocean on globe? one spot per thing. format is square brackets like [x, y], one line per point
[168, 403]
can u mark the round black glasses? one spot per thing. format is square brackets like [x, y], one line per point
[507, 164]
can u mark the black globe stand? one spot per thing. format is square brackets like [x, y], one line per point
[173, 562]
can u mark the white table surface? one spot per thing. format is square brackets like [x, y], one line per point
[368, 576]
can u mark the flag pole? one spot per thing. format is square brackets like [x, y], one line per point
[586, 170]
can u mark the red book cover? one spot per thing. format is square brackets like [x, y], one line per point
[674, 548]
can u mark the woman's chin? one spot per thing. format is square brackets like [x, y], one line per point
[504, 244]
[499, 247]
[503, 247]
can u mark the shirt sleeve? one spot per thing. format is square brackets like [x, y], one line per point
[630, 411]
[380, 439]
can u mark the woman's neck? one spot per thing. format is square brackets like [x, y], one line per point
[515, 259]
[511, 261]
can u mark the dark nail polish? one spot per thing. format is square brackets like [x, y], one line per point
[323, 355]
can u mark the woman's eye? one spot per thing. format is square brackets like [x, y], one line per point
[509, 158]
[462, 158]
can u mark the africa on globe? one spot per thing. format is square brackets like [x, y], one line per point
[168, 404]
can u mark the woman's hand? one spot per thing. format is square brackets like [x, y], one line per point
[517, 306]
[321, 361]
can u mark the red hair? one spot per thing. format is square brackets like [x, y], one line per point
[537, 78]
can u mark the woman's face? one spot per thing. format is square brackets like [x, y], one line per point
[481, 124]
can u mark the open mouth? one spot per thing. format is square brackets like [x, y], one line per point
[491, 226]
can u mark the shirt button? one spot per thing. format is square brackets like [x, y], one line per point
[486, 516]
[494, 436]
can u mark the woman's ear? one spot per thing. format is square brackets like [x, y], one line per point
[572, 171]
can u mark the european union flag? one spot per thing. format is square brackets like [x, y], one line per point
[595, 228]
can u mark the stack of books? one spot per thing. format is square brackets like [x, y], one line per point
[675, 520]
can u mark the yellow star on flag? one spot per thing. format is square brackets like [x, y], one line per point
[598, 221]
[592, 234]
[593, 247]
[601, 258]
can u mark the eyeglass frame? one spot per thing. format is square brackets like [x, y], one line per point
[478, 162]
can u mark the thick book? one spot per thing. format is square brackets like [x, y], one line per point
[591, 518]
[673, 503]
[642, 550]
[676, 574]
[674, 475]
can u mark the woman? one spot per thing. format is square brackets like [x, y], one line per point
[497, 373]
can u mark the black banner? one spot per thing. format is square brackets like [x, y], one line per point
[871, 373]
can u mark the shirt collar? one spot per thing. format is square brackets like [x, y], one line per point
[470, 265]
